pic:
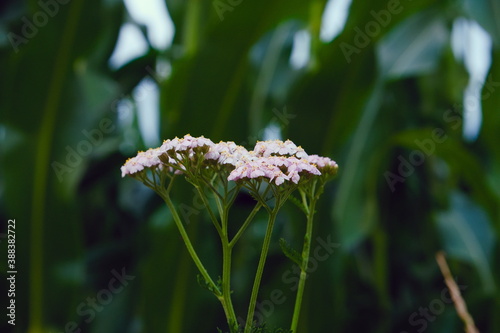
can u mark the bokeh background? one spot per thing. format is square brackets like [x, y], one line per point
[404, 95]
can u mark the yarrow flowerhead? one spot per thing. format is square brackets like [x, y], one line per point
[324, 164]
[184, 153]
[187, 144]
[227, 153]
[277, 169]
[278, 148]
[270, 173]
[275, 160]
[144, 159]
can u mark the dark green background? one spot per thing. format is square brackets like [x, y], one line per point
[230, 78]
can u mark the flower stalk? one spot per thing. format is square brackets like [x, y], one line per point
[270, 173]
[309, 210]
[260, 270]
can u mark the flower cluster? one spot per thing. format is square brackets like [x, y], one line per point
[227, 153]
[170, 154]
[278, 148]
[270, 173]
[144, 159]
[275, 160]
[281, 161]
[274, 168]
[187, 144]
[324, 164]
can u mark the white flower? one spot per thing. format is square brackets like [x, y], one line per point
[278, 148]
[227, 153]
[324, 164]
[144, 159]
[275, 168]
[275, 160]
[186, 144]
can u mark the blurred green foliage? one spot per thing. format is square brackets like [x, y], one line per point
[374, 104]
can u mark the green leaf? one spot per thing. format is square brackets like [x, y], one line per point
[486, 13]
[414, 46]
[467, 235]
[209, 85]
[205, 284]
[290, 252]
[461, 161]
[354, 215]
[298, 203]
[48, 100]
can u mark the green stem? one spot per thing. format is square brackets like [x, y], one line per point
[222, 229]
[224, 296]
[245, 225]
[226, 270]
[192, 26]
[260, 268]
[315, 17]
[42, 161]
[187, 241]
[305, 260]
[226, 284]
[210, 212]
